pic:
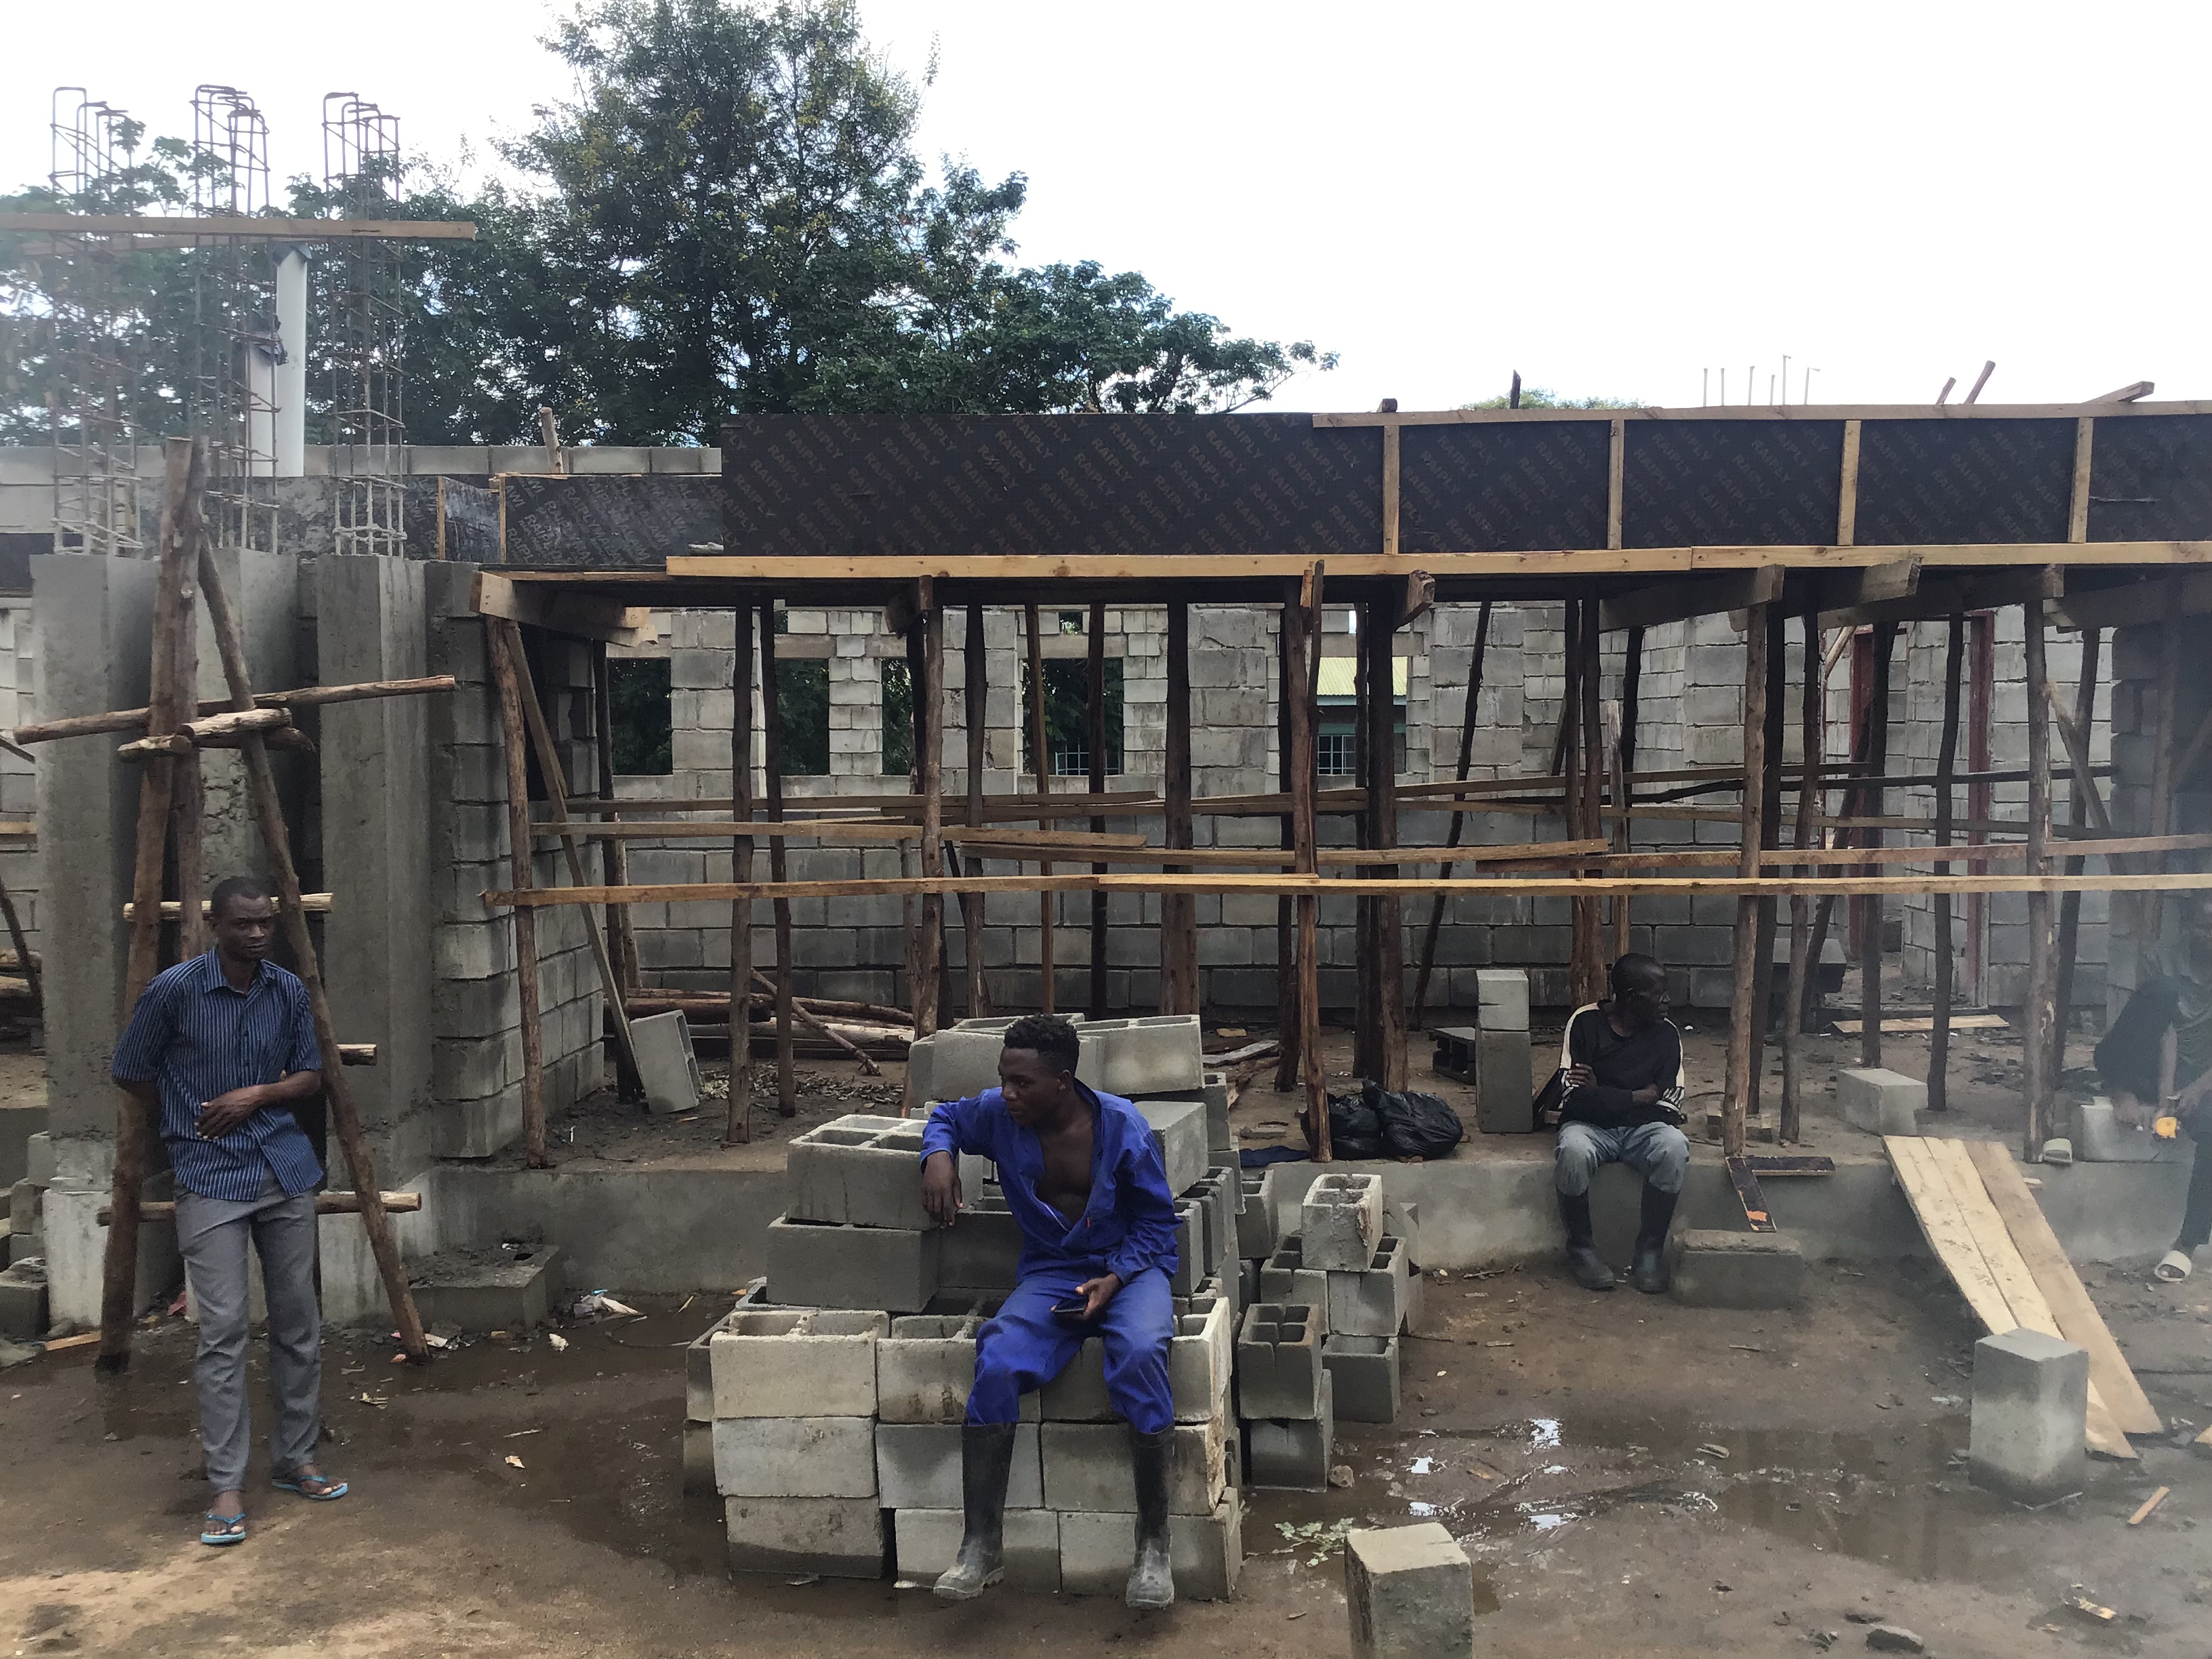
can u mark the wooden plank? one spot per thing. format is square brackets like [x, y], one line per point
[315, 904]
[1745, 1180]
[1741, 1078]
[581, 616]
[1041, 772]
[1866, 584]
[1797, 413]
[1179, 968]
[1929, 1196]
[1701, 596]
[975, 713]
[2079, 1322]
[1847, 493]
[325, 1204]
[1390, 491]
[505, 644]
[1615, 492]
[2132, 605]
[232, 227]
[2144, 1509]
[1925, 1023]
[737, 1113]
[1789, 1165]
[2077, 510]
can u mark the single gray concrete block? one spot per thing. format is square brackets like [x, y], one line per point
[39, 1159]
[1257, 1233]
[795, 1457]
[1200, 1358]
[1710, 1267]
[1096, 1551]
[1190, 1247]
[512, 1293]
[1155, 1053]
[1277, 1362]
[1363, 1375]
[2030, 1414]
[1179, 1128]
[698, 1459]
[1373, 1301]
[1410, 1593]
[2099, 1137]
[983, 1247]
[860, 1170]
[1505, 1082]
[925, 1368]
[1284, 1277]
[666, 1065]
[961, 1062]
[796, 1364]
[1087, 1467]
[926, 1541]
[1341, 1220]
[834, 1537]
[1501, 997]
[814, 1264]
[1879, 1100]
[23, 1300]
[1218, 1191]
[1294, 1453]
[917, 1466]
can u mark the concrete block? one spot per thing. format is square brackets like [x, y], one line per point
[1709, 1268]
[795, 1457]
[2030, 1412]
[1294, 1453]
[817, 1265]
[1190, 1247]
[1206, 1552]
[1087, 1466]
[837, 1538]
[1401, 1219]
[1341, 1220]
[1200, 1358]
[1365, 1373]
[926, 1540]
[698, 1459]
[860, 1170]
[1278, 1368]
[1879, 1100]
[1248, 1283]
[1373, 1301]
[917, 1466]
[666, 1063]
[796, 1364]
[512, 1292]
[1284, 1277]
[1152, 1054]
[699, 1373]
[983, 1247]
[1218, 1192]
[1257, 1233]
[1410, 1593]
[1501, 997]
[1455, 1052]
[39, 1159]
[1505, 1082]
[1179, 1130]
[23, 1300]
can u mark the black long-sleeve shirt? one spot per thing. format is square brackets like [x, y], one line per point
[1651, 1059]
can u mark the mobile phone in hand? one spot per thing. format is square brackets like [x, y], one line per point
[1073, 1313]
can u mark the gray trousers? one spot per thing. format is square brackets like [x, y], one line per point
[1660, 1153]
[213, 1234]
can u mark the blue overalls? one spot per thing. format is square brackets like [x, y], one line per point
[1127, 1229]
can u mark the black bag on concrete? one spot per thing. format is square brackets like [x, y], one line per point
[1355, 1128]
[1378, 1123]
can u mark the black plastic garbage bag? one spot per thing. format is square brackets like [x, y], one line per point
[1377, 1122]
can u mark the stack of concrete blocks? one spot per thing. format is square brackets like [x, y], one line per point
[1285, 1397]
[853, 1233]
[1352, 1264]
[2139, 725]
[1505, 1072]
[27, 1201]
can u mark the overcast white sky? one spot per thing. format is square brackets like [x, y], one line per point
[1610, 198]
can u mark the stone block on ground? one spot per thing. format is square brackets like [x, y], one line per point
[1257, 1234]
[1341, 1220]
[927, 1539]
[795, 1457]
[1364, 1377]
[1372, 1301]
[816, 1364]
[23, 1300]
[485, 1290]
[1285, 1276]
[1293, 1453]
[1712, 1267]
[2031, 1407]
[1278, 1368]
[822, 1265]
[1179, 1127]
[665, 1063]
[1879, 1100]
[1410, 1593]
[860, 1169]
[1097, 1550]
[1087, 1467]
[835, 1537]
[917, 1466]
[1199, 1362]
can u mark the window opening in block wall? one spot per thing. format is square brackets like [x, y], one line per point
[898, 718]
[1335, 741]
[638, 706]
[1067, 716]
[802, 701]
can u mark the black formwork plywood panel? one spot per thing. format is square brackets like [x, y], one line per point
[1964, 481]
[1049, 485]
[1703, 483]
[615, 522]
[2150, 479]
[1502, 487]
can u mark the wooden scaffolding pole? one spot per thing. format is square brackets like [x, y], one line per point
[1289, 1020]
[1947, 763]
[2069, 906]
[1568, 762]
[1179, 981]
[2035, 1078]
[786, 1080]
[1770, 835]
[737, 1126]
[1458, 827]
[1302, 615]
[1735, 1102]
[621, 932]
[1870, 805]
[184, 481]
[1790, 1128]
[976, 674]
[1366, 1009]
[929, 700]
[503, 647]
[1622, 753]
[1379, 641]
[1041, 770]
[1094, 640]
[1593, 779]
[2164, 757]
[189, 796]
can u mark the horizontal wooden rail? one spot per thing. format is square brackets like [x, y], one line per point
[315, 904]
[325, 1204]
[308, 696]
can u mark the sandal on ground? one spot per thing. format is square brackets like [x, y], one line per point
[222, 1529]
[2173, 1267]
[316, 1488]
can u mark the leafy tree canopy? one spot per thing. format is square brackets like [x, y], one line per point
[1537, 397]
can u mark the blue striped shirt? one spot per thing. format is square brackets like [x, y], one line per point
[197, 1037]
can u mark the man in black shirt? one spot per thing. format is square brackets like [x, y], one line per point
[1623, 1104]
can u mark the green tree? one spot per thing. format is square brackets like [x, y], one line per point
[1537, 397]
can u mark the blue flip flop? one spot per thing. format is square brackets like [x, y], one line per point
[218, 1539]
[333, 1491]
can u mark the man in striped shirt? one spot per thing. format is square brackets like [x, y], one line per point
[220, 1050]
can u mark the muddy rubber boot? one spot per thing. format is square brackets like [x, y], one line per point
[1583, 1261]
[1649, 1273]
[1151, 1579]
[986, 1453]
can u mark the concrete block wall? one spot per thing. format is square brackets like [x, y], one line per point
[2137, 952]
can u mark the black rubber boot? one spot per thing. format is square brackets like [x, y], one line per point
[1649, 1275]
[1583, 1261]
[1151, 1579]
[986, 1453]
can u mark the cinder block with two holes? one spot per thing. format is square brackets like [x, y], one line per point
[1293, 1453]
[1374, 1301]
[860, 1170]
[1363, 1376]
[1279, 1363]
[1340, 1222]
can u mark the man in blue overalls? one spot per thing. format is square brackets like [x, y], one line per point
[1083, 1176]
